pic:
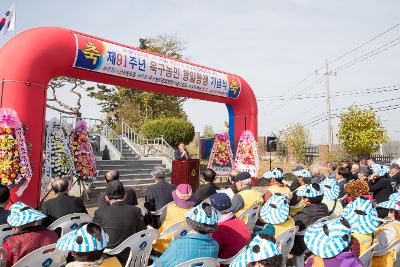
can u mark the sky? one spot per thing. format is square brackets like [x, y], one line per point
[272, 44]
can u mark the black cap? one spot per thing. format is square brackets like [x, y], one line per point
[242, 176]
[115, 189]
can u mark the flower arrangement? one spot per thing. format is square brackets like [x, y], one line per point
[61, 164]
[221, 151]
[221, 158]
[15, 169]
[85, 163]
[58, 160]
[246, 154]
[11, 170]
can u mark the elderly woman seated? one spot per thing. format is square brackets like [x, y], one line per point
[183, 201]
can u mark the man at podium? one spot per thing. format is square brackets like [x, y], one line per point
[181, 153]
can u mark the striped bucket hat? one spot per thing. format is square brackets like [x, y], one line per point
[198, 214]
[380, 170]
[362, 216]
[275, 210]
[311, 190]
[82, 240]
[328, 239]
[390, 205]
[302, 173]
[330, 188]
[274, 173]
[395, 196]
[21, 214]
[260, 248]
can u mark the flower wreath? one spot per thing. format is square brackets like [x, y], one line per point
[15, 168]
[221, 158]
[85, 163]
[59, 162]
[246, 154]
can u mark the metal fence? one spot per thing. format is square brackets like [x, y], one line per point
[386, 159]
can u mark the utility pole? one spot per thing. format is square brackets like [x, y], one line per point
[328, 106]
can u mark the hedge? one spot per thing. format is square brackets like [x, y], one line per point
[174, 130]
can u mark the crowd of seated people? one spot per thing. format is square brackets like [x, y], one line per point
[357, 201]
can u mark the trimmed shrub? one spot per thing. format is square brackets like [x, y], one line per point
[174, 130]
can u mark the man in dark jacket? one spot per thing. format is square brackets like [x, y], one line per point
[181, 153]
[159, 194]
[130, 198]
[394, 174]
[119, 220]
[4, 199]
[63, 204]
[342, 177]
[208, 188]
[381, 189]
[314, 210]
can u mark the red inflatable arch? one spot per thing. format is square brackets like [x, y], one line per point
[31, 59]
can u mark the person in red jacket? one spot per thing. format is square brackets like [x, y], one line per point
[28, 234]
[232, 233]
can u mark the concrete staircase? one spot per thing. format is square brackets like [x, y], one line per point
[133, 171]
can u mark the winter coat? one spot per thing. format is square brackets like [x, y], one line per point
[27, 240]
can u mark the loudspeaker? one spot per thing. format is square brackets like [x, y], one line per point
[271, 143]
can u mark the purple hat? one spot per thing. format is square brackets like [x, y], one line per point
[183, 196]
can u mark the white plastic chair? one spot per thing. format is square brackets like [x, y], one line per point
[161, 212]
[140, 247]
[200, 262]
[69, 222]
[285, 242]
[176, 230]
[250, 216]
[366, 257]
[46, 256]
[5, 231]
[394, 246]
[229, 261]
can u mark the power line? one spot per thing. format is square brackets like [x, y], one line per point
[341, 93]
[377, 109]
[368, 55]
[363, 44]
[343, 55]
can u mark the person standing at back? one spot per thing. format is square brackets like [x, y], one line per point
[63, 204]
[130, 199]
[208, 188]
[4, 199]
[342, 177]
[394, 174]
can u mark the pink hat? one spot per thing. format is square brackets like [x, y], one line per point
[183, 196]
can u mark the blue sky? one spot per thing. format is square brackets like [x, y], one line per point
[272, 44]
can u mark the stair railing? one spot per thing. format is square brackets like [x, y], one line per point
[95, 126]
[147, 147]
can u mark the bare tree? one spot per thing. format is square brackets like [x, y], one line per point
[60, 82]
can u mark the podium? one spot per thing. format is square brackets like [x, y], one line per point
[186, 172]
